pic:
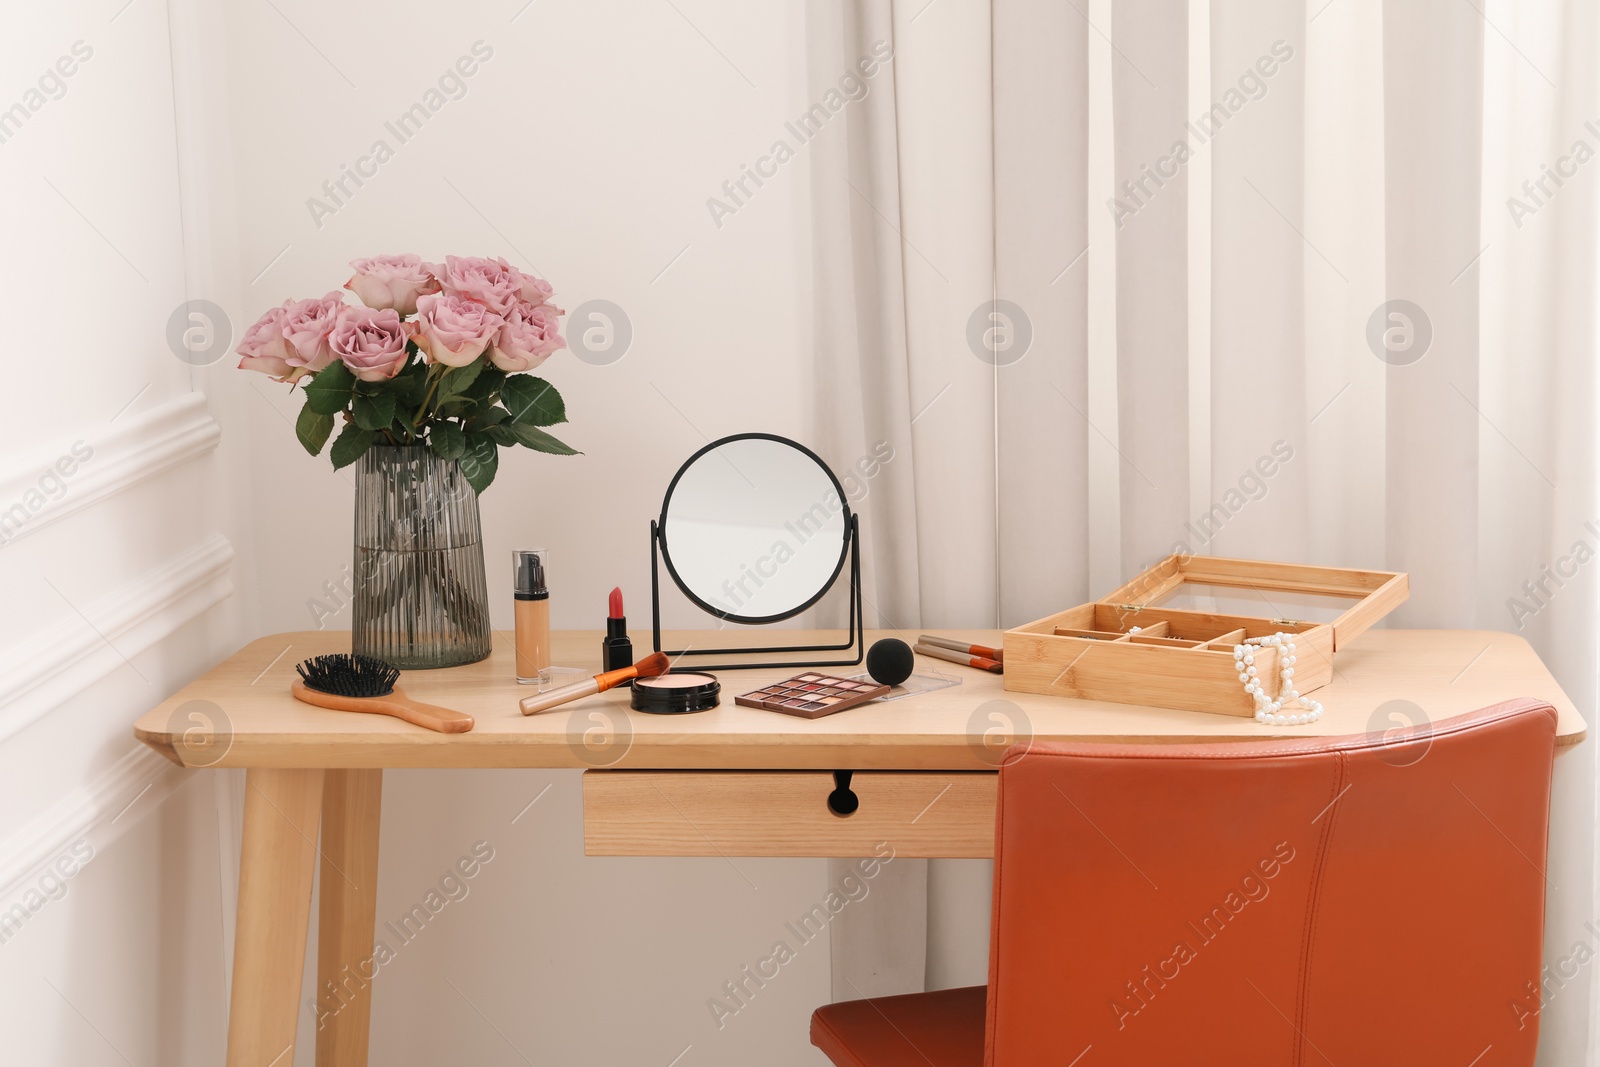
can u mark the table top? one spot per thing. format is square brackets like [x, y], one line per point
[240, 713]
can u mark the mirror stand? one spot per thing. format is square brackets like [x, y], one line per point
[856, 635]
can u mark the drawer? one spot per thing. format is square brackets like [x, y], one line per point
[789, 813]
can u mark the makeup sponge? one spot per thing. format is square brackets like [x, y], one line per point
[890, 661]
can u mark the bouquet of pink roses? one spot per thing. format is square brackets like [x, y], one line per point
[436, 356]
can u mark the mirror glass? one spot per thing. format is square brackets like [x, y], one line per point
[753, 528]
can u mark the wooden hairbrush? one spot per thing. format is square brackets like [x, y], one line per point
[361, 683]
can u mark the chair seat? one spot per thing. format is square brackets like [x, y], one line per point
[943, 1029]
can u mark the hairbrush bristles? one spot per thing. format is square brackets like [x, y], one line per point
[349, 676]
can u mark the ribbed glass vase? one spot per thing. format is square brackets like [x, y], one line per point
[420, 597]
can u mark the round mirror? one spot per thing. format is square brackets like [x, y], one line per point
[754, 528]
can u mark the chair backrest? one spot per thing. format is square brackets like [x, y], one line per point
[1359, 901]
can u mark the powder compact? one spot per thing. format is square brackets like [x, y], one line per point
[676, 693]
[813, 695]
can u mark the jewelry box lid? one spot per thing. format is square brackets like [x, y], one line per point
[1351, 601]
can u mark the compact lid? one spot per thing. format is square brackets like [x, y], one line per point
[1351, 601]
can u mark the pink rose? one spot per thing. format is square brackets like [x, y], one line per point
[535, 290]
[529, 335]
[391, 282]
[489, 282]
[265, 349]
[372, 343]
[452, 329]
[305, 325]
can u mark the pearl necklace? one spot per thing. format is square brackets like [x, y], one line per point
[1267, 709]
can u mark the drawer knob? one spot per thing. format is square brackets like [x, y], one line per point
[843, 801]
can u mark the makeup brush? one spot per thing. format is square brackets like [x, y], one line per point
[996, 654]
[361, 683]
[983, 663]
[652, 665]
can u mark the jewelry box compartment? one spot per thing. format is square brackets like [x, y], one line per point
[1167, 637]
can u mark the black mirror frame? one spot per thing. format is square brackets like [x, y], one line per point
[850, 549]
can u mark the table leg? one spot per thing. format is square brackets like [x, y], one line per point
[347, 915]
[278, 863]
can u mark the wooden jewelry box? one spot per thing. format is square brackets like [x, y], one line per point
[1167, 637]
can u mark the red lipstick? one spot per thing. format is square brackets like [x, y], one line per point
[616, 651]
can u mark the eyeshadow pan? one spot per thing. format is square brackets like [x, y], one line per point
[812, 695]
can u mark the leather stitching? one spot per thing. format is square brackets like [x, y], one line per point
[1318, 871]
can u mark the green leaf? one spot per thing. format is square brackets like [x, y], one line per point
[312, 429]
[329, 391]
[447, 440]
[411, 383]
[533, 401]
[351, 444]
[486, 383]
[493, 416]
[503, 434]
[374, 412]
[481, 461]
[457, 379]
[536, 439]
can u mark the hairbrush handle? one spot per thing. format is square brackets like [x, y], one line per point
[982, 663]
[396, 703]
[984, 651]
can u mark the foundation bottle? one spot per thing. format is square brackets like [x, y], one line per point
[532, 610]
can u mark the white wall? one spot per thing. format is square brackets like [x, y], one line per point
[119, 551]
[584, 148]
[177, 165]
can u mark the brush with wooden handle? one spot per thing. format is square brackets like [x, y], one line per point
[983, 663]
[362, 683]
[652, 665]
[984, 651]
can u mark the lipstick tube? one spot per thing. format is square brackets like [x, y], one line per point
[616, 650]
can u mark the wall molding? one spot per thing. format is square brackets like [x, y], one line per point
[99, 812]
[126, 453]
[68, 656]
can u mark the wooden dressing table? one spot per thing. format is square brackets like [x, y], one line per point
[730, 781]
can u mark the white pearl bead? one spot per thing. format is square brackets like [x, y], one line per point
[1261, 716]
[1280, 720]
[1288, 672]
[1249, 657]
[1251, 671]
[1292, 658]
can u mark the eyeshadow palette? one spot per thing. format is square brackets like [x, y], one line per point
[812, 695]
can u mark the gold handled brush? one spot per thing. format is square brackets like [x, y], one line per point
[652, 665]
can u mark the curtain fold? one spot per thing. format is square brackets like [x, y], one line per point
[1153, 146]
[1259, 262]
[1402, 213]
[1040, 305]
[1433, 123]
[858, 289]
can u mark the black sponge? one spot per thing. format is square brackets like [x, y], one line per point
[890, 661]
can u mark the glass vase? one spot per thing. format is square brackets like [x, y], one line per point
[420, 596]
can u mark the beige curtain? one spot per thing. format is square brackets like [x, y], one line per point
[1359, 237]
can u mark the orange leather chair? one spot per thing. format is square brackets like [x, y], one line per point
[1359, 901]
